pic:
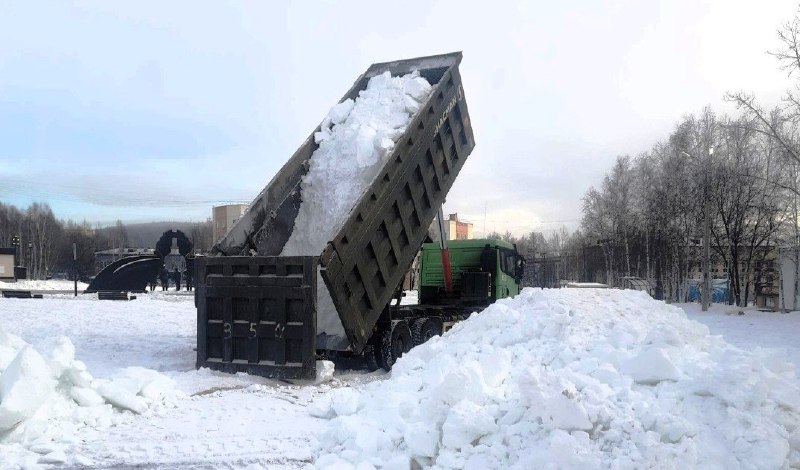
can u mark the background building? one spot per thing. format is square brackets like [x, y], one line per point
[223, 218]
[456, 229]
[7, 263]
[761, 280]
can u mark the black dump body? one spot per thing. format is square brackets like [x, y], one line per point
[257, 315]
[366, 261]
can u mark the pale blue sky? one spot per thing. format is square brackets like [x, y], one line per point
[155, 110]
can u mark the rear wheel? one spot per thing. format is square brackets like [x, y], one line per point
[395, 343]
[372, 357]
[424, 329]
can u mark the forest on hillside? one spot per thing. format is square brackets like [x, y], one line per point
[46, 241]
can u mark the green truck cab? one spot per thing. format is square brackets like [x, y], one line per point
[483, 271]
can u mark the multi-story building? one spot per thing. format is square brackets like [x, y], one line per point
[224, 217]
[457, 229]
[763, 279]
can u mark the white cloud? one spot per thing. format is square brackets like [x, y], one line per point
[555, 90]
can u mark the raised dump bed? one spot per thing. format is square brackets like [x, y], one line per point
[365, 262]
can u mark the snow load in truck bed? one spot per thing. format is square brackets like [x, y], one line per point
[571, 378]
[355, 140]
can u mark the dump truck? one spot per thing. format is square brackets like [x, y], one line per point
[482, 271]
[257, 311]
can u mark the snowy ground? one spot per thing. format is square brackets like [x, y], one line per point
[752, 330]
[48, 285]
[214, 420]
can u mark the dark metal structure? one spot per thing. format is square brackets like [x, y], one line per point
[365, 262]
[20, 294]
[115, 295]
[131, 274]
[164, 244]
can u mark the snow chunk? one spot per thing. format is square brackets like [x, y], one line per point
[566, 413]
[86, 396]
[122, 398]
[24, 386]
[466, 423]
[650, 367]
[54, 457]
[340, 112]
[345, 401]
[9, 347]
[324, 371]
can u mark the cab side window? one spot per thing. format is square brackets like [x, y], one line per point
[508, 261]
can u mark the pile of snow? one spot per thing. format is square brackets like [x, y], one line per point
[50, 284]
[355, 140]
[44, 400]
[570, 378]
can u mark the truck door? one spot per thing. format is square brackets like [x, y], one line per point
[508, 280]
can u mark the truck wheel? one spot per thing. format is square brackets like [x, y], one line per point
[424, 329]
[395, 343]
[372, 357]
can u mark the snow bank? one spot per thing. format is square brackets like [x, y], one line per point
[355, 140]
[570, 378]
[50, 284]
[44, 400]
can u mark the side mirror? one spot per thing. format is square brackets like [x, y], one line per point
[519, 268]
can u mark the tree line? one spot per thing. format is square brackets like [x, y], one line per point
[46, 242]
[739, 171]
[646, 218]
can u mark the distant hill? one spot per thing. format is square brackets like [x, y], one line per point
[145, 235]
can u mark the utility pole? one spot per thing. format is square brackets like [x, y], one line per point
[15, 244]
[30, 260]
[706, 293]
[543, 271]
[15, 241]
[585, 275]
[75, 267]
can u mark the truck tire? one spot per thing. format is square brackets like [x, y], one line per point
[372, 357]
[424, 329]
[395, 343]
